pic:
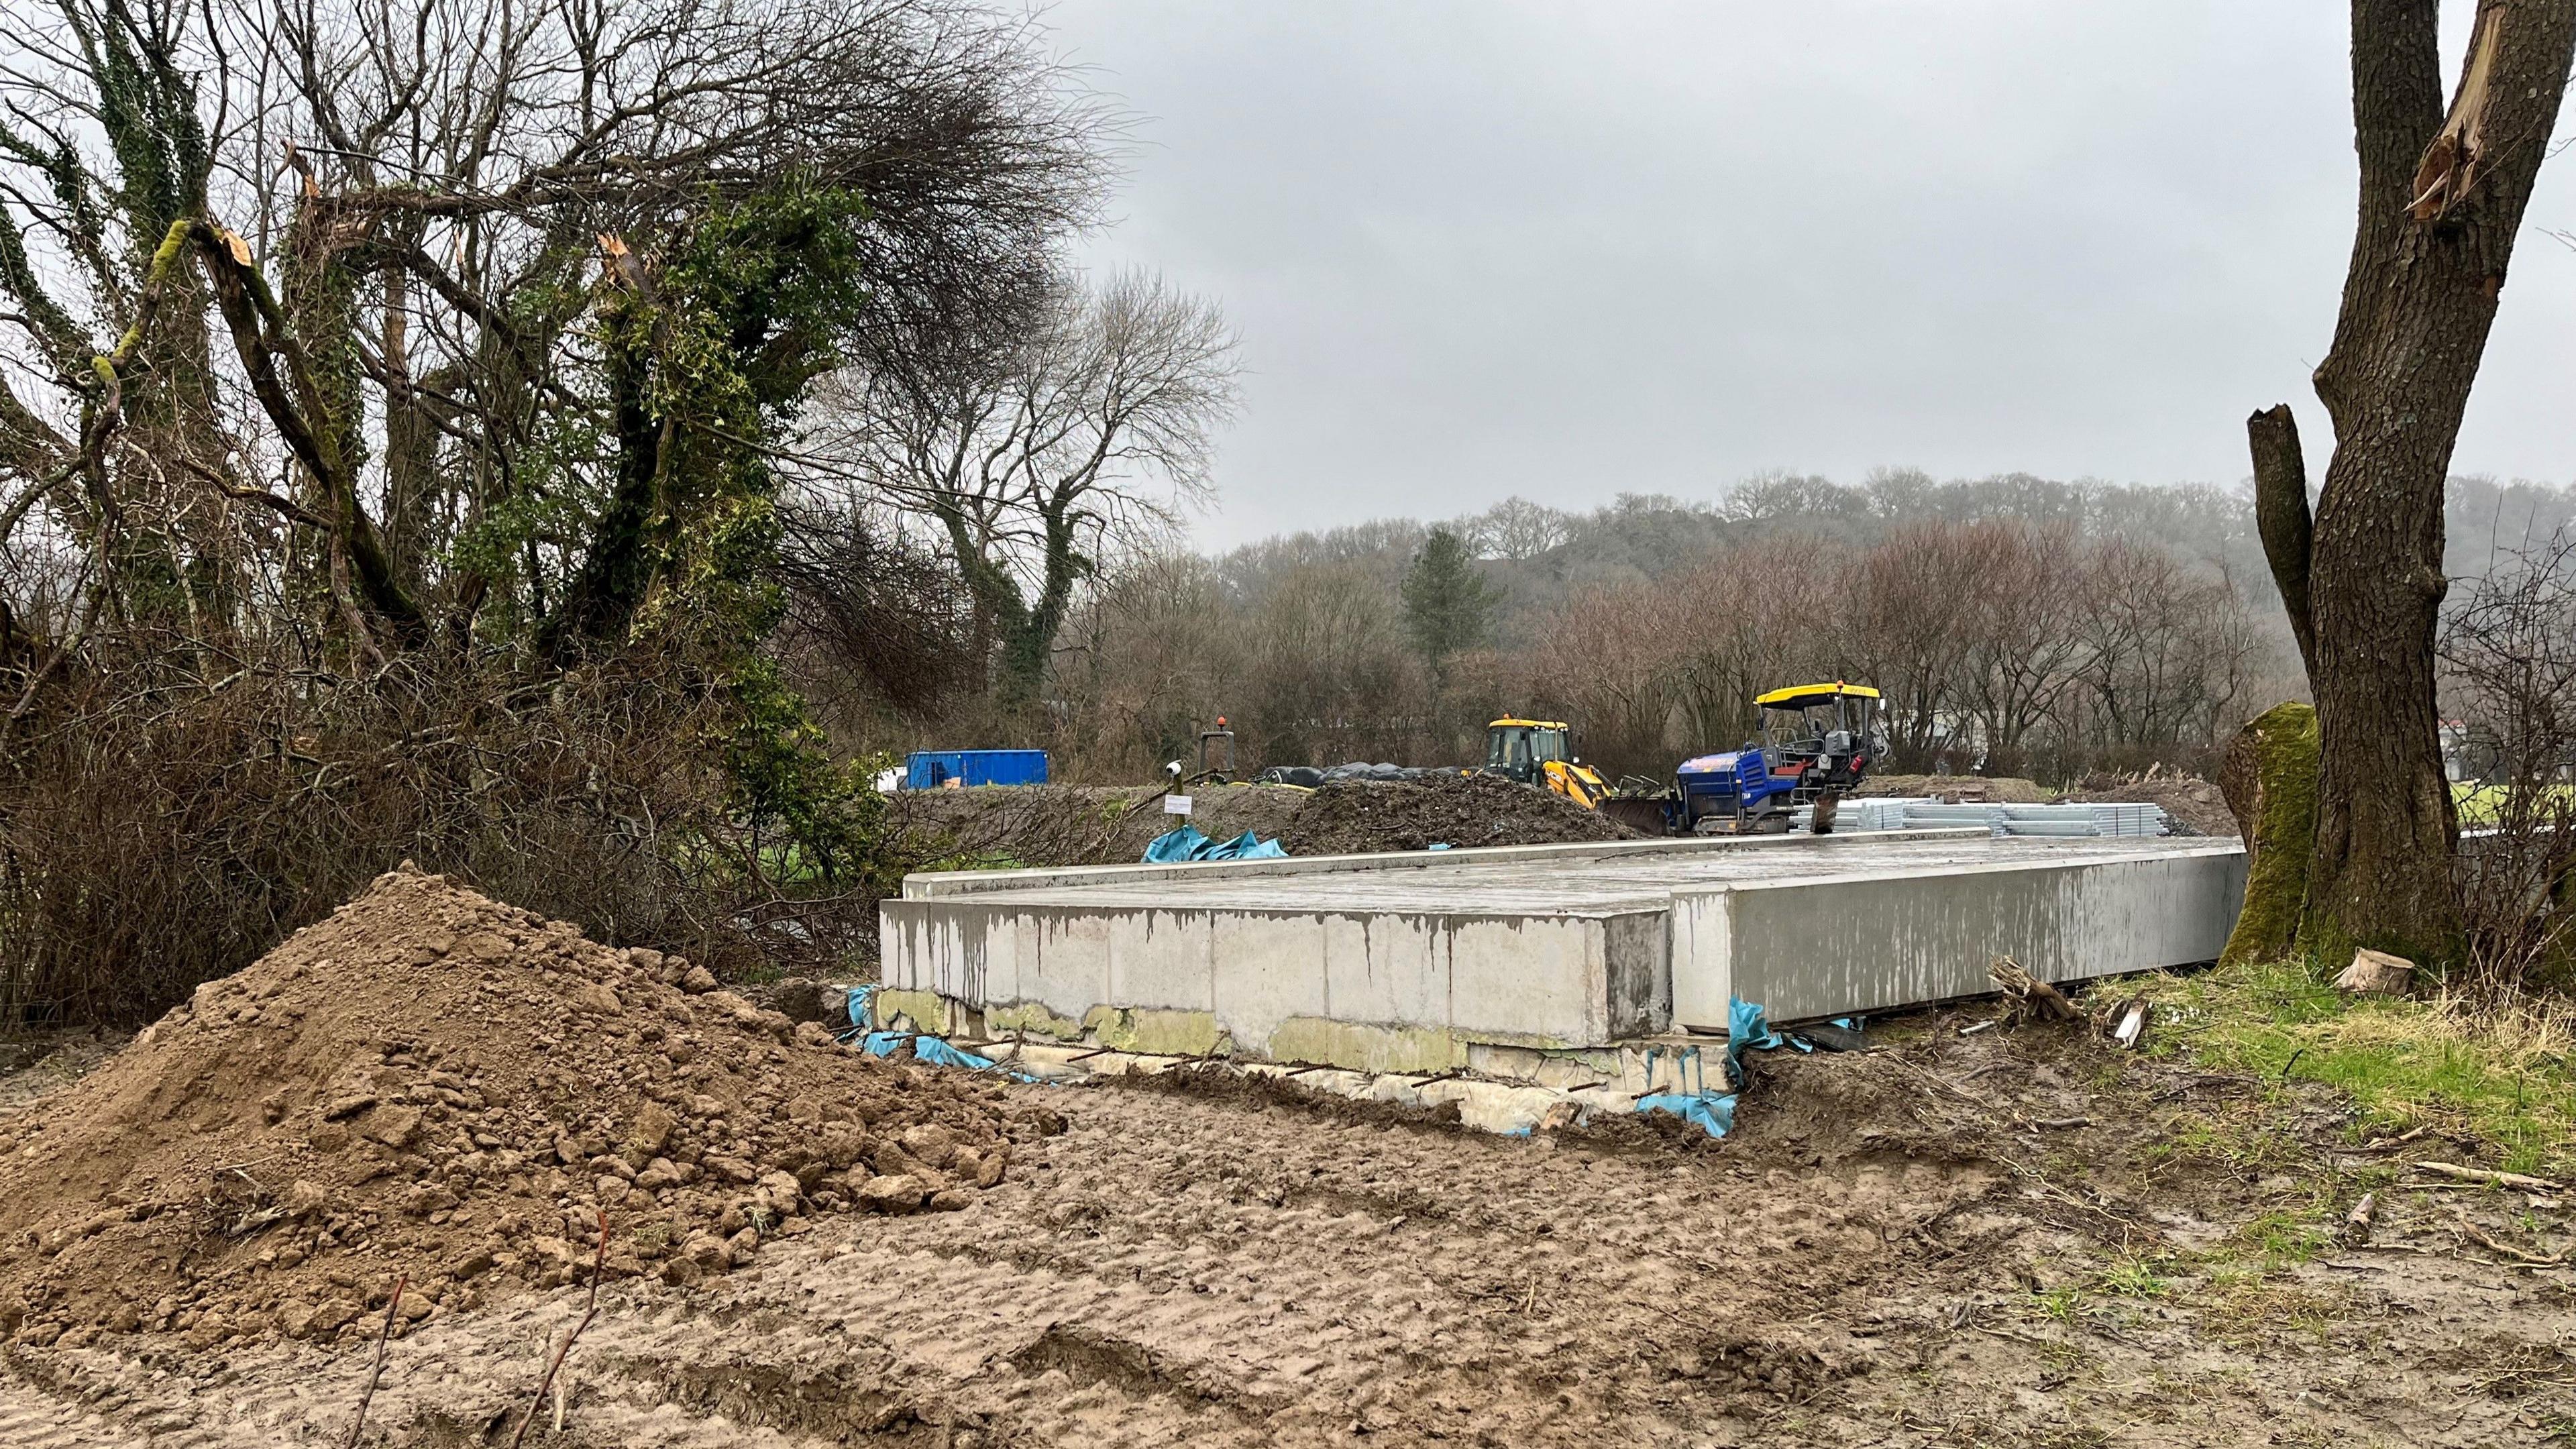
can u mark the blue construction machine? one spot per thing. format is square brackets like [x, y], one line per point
[1818, 742]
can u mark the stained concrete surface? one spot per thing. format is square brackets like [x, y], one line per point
[1403, 962]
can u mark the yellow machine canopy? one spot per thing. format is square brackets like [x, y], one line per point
[1799, 696]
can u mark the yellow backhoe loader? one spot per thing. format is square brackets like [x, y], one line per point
[1539, 752]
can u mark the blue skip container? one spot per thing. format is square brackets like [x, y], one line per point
[933, 769]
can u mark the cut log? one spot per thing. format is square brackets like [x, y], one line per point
[2376, 973]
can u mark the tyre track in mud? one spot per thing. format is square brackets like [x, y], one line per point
[1176, 1271]
[1231, 1269]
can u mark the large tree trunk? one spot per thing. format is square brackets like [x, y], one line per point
[2441, 199]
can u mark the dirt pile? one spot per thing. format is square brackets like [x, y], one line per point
[1049, 825]
[1990, 789]
[2195, 804]
[1456, 810]
[435, 1086]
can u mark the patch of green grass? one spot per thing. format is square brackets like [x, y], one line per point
[2061, 1304]
[2507, 1082]
[2285, 1237]
[2243, 1140]
[2482, 804]
[2131, 1278]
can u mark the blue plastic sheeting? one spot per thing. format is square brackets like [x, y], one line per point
[1748, 1028]
[936, 1051]
[1708, 1111]
[855, 1007]
[1187, 844]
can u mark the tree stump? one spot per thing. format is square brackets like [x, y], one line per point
[2376, 973]
[2276, 792]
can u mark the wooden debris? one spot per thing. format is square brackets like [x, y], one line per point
[2533, 1260]
[2490, 1177]
[2128, 1025]
[2356, 1224]
[2030, 995]
[2376, 973]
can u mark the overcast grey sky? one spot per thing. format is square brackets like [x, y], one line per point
[1568, 250]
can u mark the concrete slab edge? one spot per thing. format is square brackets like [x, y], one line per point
[931, 885]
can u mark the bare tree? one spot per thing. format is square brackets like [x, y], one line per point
[2164, 649]
[1517, 529]
[1606, 658]
[2442, 197]
[2509, 671]
[1331, 673]
[1151, 654]
[341, 261]
[1750, 619]
[1093, 421]
[367, 364]
[1910, 627]
[2024, 644]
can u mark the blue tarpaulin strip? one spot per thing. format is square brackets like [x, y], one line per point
[1187, 843]
[1748, 1028]
[937, 1051]
[855, 1009]
[1711, 1112]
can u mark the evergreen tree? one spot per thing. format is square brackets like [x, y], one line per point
[1448, 606]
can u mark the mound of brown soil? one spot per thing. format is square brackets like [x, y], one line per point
[1047, 825]
[1458, 810]
[2195, 804]
[433, 1086]
[1993, 789]
[1051, 825]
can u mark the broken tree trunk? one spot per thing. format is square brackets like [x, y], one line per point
[2270, 781]
[2029, 995]
[2442, 196]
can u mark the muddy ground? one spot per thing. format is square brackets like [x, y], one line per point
[2012, 1238]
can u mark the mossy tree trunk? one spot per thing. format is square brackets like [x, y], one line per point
[2271, 786]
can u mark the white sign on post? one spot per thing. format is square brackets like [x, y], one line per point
[1176, 804]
